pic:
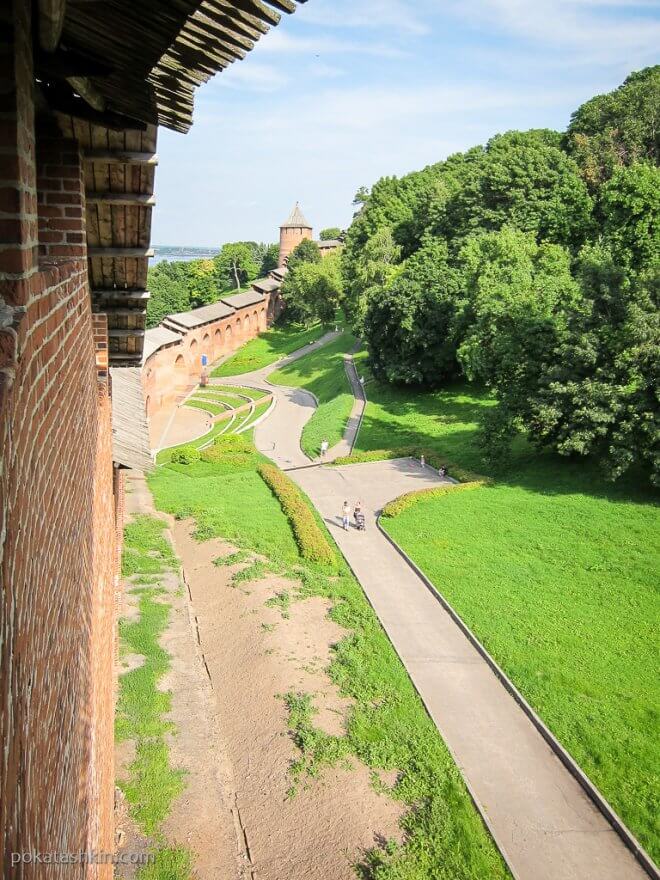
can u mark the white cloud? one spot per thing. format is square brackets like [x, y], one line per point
[396, 15]
[586, 29]
[282, 42]
[254, 77]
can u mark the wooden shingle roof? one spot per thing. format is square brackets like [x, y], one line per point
[146, 57]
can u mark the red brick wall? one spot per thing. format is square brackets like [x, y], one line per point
[57, 540]
[164, 383]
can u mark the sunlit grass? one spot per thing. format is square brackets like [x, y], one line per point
[322, 372]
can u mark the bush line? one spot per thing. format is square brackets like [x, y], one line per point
[310, 539]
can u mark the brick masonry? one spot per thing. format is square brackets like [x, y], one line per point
[60, 498]
[173, 370]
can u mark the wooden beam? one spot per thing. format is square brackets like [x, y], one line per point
[109, 252]
[87, 92]
[119, 198]
[123, 332]
[119, 293]
[66, 62]
[120, 157]
[51, 23]
[138, 311]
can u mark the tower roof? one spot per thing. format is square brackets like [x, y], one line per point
[296, 218]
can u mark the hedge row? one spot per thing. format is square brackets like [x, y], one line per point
[311, 541]
[403, 502]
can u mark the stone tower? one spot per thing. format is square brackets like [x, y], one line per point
[292, 232]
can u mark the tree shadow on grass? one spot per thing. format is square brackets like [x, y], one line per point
[447, 421]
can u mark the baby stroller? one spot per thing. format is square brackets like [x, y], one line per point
[360, 523]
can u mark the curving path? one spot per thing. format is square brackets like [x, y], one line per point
[543, 822]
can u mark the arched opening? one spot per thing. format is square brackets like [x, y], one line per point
[237, 338]
[180, 373]
[255, 321]
[217, 343]
[246, 325]
[206, 343]
[228, 337]
[192, 348]
[263, 321]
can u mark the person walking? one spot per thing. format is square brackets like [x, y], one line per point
[346, 515]
[324, 448]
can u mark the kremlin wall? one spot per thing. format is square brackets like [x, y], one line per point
[172, 362]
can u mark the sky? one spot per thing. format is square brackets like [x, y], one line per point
[344, 92]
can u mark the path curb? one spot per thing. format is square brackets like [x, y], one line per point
[355, 383]
[564, 756]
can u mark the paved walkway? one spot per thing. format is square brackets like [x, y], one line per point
[543, 822]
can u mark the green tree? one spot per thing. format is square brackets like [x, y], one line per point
[330, 234]
[519, 293]
[204, 284]
[617, 129]
[236, 264]
[520, 179]
[305, 252]
[312, 290]
[268, 256]
[574, 362]
[630, 208]
[168, 286]
[368, 273]
[413, 327]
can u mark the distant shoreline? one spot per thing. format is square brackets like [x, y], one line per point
[181, 253]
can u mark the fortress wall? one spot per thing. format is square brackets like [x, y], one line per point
[58, 548]
[175, 368]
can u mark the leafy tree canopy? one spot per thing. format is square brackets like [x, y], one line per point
[520, 179]
[630, 208]
[237, 263]
[306, 252]
[313, 290]
[412, 326]
[168, 285]
[330, 234]
[617, 129]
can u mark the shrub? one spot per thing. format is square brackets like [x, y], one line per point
[311, 541]
[403, 502]
[185, 455]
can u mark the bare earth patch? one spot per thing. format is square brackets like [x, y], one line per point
[255, 654]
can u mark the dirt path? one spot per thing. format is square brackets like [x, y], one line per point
[201, 819]
[255, 655]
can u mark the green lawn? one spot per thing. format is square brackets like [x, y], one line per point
[253, 393]
[215, 409]
[556, 571]
[388, 727]
[151, 783]
[259, 410]
[322, 372]
[269, 347]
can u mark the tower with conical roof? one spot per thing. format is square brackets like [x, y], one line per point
[294, 229]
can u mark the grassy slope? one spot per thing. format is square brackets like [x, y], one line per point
[388, 727]
[142, 706]
[268, 348]
[556, 572]
[322, 372]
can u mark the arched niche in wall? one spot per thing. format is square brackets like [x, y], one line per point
[180, 372]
